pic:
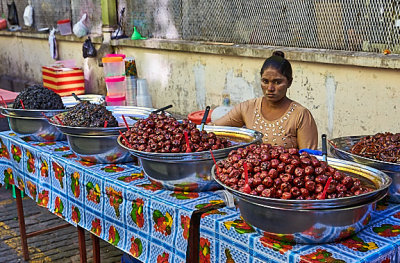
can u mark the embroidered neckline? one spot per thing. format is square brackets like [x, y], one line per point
[272, 129]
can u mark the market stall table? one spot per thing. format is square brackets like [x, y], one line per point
[114, 202]
[226, 237]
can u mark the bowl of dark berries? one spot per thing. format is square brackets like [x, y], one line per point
[178, 154]
[380, 151]
[299, 197]
[28, 116]
[92, 130]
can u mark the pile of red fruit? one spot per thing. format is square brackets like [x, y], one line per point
[163, 134]
[276, 172]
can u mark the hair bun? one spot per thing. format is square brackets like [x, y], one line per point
[278, 54]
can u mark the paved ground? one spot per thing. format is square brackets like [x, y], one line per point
[58, 246]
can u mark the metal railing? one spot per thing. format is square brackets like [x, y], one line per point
[364, 25]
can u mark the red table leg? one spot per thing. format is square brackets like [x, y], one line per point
[96, 248]
[82, 244]
[25, 236]
[192, 252]
[22, 229]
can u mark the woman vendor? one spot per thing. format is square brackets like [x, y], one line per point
[281, 120]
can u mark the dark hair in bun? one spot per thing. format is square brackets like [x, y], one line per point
[278, 62]
[278, 54]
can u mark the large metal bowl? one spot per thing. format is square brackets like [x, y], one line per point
[340, 148]
[311, 226]
[315, 221]
[100, 145]
[191, 171]
[32, 125]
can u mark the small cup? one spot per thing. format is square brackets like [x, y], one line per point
[131, 91]
[142, 87]
[144, 101]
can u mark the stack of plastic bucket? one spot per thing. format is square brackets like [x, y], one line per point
[114, 71]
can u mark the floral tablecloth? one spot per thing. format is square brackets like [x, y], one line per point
[118, 204]
[115, 202]
[225, 237]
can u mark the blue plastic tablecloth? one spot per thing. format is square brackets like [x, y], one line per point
[121, 206]
[115, 202]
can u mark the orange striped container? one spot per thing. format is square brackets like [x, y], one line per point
[64, 81]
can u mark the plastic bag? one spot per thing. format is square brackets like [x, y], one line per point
[88, 49]
[53, 44]
[28, 15]
[79, 28]
[12, 14]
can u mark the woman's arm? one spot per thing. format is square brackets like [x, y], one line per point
[307, 132]
[233, 118]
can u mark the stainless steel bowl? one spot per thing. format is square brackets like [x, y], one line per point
[98, 148]
[341, 149]
[191, 171]
[32, 125]
[315, 221]
[304, 226]
[97, 144]
[368, 175]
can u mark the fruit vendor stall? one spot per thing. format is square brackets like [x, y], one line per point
[166, 190]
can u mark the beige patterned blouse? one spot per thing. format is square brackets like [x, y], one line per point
[295, 128]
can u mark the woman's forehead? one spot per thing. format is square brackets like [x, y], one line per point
[271, 72]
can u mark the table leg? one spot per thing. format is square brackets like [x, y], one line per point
[96, 248]
[192, 253]
[82, 244]
[22, 229]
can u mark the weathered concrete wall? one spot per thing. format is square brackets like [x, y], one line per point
[344, 99]
[23, 57]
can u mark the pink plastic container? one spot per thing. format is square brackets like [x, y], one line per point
[116, 86]
[64, 26]
[116, 101]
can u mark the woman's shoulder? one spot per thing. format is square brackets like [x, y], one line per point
[298, 107]
[250, 104]
[300, 111]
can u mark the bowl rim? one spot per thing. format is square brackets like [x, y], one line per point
[28, 113]
[315, 203]
[376, 163]
[99, 131]
[377, 198]
[205, 155]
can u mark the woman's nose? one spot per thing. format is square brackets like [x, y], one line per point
[270, 87]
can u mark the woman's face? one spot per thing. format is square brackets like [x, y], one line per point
[274, 85]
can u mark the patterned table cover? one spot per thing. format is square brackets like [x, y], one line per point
[226, 237]
[115, 202]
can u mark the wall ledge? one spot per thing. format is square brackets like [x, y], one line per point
[361, 59]
[97, 39]
[333, 57]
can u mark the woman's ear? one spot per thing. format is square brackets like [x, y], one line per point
[290, 82]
